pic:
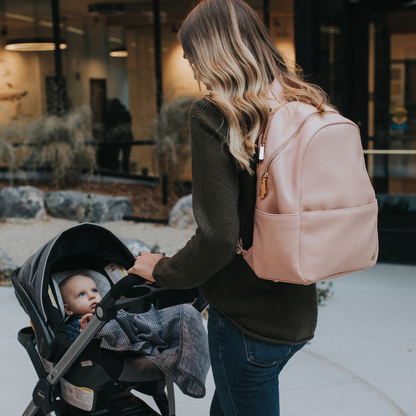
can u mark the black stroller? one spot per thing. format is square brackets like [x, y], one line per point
[77, 377]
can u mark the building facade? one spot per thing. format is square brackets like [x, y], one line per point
[362, 52]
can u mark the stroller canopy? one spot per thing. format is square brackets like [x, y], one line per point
[83, 246]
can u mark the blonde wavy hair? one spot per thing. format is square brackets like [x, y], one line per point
[231, 52]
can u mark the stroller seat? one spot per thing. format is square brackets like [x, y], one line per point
[78, 377]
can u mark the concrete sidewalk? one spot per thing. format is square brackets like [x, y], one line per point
[362, 361]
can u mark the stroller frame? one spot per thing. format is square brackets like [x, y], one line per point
[38, 341]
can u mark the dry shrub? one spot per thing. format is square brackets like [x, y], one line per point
[60, 144]
[173, 139]
[8, 135]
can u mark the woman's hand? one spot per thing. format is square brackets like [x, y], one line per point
[144, 265]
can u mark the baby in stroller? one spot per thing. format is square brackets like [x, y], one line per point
[84, 376]
[80, 296]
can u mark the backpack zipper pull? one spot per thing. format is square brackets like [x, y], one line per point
[261, 149]
[263, 187]
[261, 153]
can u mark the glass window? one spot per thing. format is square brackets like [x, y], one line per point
[108, 67]
[392, 119]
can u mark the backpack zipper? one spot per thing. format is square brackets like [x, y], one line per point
[279, 150]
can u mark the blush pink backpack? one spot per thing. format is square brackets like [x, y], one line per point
[316, 212]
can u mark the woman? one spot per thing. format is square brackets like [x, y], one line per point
[255, 326]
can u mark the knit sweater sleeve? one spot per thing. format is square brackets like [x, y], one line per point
[215, 190]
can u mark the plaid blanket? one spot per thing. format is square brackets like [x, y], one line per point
[173, 339]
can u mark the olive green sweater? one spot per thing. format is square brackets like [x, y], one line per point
[223, 204]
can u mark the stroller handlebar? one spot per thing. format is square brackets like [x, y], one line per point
[134, 295]
[125, 284]
[115, 293]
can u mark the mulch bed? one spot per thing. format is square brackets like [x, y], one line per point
[146, 199]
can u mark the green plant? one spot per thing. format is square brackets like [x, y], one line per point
[396, 214]
[394, 207]
[60, 144]
[324, 292]
[155, 248]
[173, 139]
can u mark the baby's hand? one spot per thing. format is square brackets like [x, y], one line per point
[84, 321]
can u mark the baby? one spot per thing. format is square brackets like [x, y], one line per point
[80, 296]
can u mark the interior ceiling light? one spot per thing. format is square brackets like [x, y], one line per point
[106, 9]
[32, 45]
[119, 53]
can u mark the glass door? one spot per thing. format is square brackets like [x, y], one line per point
[391, 148]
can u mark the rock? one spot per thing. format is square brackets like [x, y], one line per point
[181, 215]
[80, 206]
[107, 208]
[22, 202]
[67, 204]
[7, 265]
[137, 246]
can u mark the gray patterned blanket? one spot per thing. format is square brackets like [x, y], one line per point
[173, 339]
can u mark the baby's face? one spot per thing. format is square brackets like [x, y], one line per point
[80, 295]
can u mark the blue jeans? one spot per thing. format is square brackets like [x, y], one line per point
[246, 370]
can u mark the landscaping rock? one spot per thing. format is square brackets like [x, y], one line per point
[107, 208]
[181, 216]
[7, 265]
[137, 246]
[22, 202]
[80, 206]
